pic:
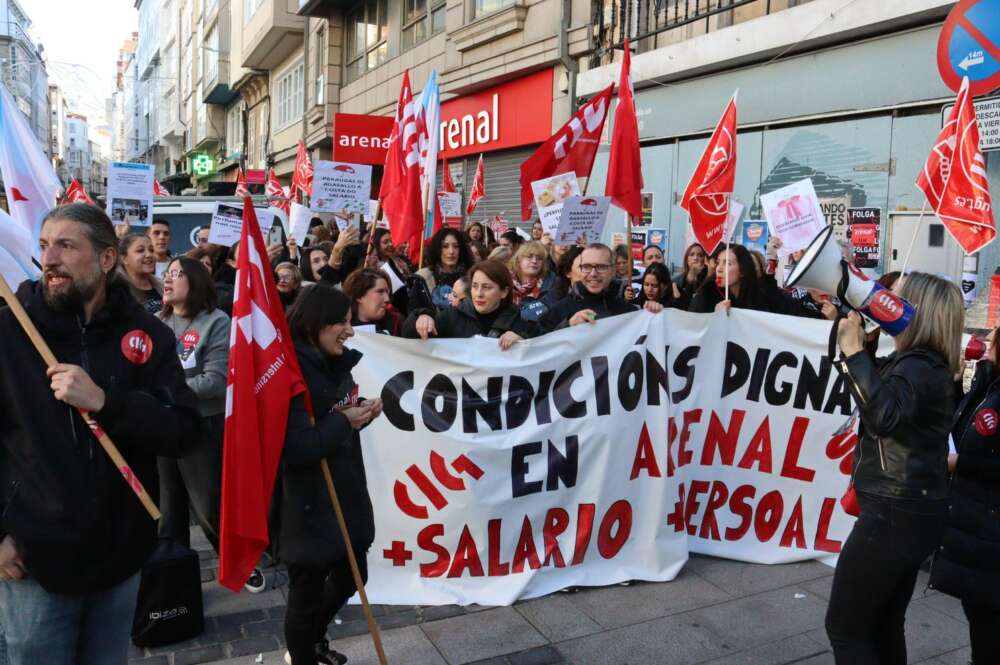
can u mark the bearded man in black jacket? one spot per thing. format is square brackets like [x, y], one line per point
[73, 535]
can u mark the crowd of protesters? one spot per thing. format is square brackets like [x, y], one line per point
[72, 541]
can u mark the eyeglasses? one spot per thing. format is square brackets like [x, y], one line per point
[594, 267]
[173, 274]
[286, 278]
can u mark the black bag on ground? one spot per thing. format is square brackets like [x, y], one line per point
[169, 609]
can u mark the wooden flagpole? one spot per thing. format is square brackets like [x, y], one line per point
[424, 195]
[355, 571]
[913, 240]
[50, 360]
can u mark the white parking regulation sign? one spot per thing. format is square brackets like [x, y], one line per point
[988, 116]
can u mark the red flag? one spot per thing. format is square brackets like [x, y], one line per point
[302, 178]
[624, 184]
[158, 189]
[263, 377]
[276, 193]
[572, 148]
[954, 178]
[447, 184]
[400, 191]
[478, 187]
[497, 225]
[75, 193]
[241, 184]
[707, 196]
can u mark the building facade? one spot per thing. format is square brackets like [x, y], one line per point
[23, 71]
[849, 96]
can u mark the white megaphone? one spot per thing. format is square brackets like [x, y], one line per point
[823, 268]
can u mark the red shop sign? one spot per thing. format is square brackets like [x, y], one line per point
[256, 176]
[511, 114]
[361, 139]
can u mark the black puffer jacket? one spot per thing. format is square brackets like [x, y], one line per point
[607, 303]
[968, 563]
[907, 402]
[309, 533]
[464, 321]
[76, 523]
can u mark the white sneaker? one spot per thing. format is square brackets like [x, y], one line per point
[256, 582]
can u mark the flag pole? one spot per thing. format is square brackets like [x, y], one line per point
[725, 231]
[355, 571]
[50, 360]
[913, 240]
[424, 195]
[371, 230]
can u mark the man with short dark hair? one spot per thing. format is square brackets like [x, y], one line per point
[596, 296]
[201, 237]
[73, 535]
[159, 234]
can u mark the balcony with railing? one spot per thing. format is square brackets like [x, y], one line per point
[653, 24]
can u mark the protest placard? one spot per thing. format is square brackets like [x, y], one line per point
[341, 188]
[793, 214]
[298, 222]
[451, 208]
[130, 193]
[582, 217]
[227, 223]
[550, 195]
[755, 235]
[863, 232]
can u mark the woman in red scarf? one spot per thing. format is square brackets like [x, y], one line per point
[530, 269]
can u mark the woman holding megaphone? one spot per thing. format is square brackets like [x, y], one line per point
[906, 404]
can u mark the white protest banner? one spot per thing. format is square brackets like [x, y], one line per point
[586, 458]
[395, 283]
[793, 214]
[298, 222]
[130, 193]
[340, 187]
[227, 222]
[550, 194]
[582, 217]
[451, 208]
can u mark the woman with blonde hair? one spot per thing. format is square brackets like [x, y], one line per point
[529, 268]
[138, 267]
[906, 402]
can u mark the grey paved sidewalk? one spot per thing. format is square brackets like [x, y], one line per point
[717, 612]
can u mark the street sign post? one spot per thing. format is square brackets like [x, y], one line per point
[969, 45]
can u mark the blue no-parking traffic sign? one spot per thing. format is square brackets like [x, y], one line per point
[969, 45]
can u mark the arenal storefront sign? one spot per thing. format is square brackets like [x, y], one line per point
[508, 115]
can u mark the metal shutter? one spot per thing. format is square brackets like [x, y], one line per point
[503, 183]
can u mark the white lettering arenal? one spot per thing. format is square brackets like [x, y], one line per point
[477, 129]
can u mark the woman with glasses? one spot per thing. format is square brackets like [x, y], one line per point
[192, 485]
[138, 267]
[489, 311]
[288, 279]
[530, 271]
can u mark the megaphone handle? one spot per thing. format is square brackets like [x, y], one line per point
[831, 348]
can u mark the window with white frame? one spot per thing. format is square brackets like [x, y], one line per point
[489, 6]
[418, 23]
[212, 55]
[234, 135]
[320, 70]
[367, 37]
[290, 96]
[250, 8]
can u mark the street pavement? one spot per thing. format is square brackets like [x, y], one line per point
[717, 612]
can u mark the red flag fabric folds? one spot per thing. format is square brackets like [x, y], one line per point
[158, 189]
[276, 193]
[954, 178]
[75, 193]
[241, 184]
[400, 191]
[707, 196]
[302, 178]
[624, 183]
[478, 187]
[264, 376]
[572, 148]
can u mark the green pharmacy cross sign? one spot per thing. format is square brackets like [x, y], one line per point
[202, 164]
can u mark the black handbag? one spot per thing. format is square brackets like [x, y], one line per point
[169, 608]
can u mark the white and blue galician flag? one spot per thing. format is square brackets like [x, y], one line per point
[428, 124]
[32, 187]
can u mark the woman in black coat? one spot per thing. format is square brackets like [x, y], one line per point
[967, 565]
[906, 402]
[488, 311]
[309, 539]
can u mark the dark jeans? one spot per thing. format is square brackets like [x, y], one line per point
[315, 595]
[193, 481]
[875, 576]
[984, 631]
